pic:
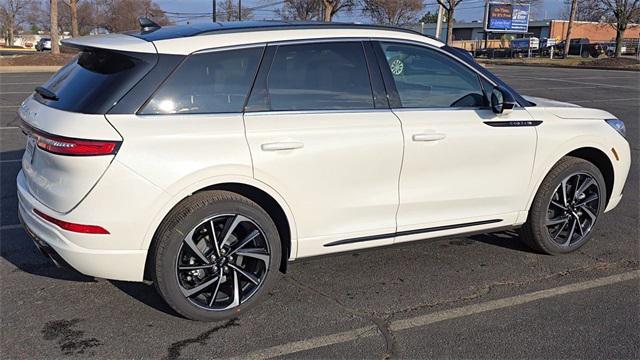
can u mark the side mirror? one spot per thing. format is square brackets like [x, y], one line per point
[502, 102]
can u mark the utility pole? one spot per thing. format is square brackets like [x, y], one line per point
[213, 7]
[439, 21]
[239, 10]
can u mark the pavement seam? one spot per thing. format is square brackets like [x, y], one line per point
[439, 316]
[382, 324]
[488, 288]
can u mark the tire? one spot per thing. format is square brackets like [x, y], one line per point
[227, 277]
[585, 54]
[537, 231]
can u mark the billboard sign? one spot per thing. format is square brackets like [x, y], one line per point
[501, 17]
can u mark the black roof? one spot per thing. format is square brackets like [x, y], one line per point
[172, 32]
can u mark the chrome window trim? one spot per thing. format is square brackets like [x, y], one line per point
[317, 112]
[228, 48]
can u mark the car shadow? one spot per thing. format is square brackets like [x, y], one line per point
[145, 293]
[509, 239]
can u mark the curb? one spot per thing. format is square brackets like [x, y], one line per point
[560, 66]
[28, 69]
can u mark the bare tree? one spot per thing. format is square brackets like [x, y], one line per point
[332, 7]
[73, 8]
[622, 12]
[122, 15]
[449, 8]
[304, 10]
[55, 48]
[12, 17]
[572, 17]
[393, 12]
[228, 11]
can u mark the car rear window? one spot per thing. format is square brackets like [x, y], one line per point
[95, 80]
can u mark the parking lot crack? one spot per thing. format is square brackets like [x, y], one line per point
[488, 288]
[173, 352]
[382, 323]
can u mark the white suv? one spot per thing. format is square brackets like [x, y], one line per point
[205, 157]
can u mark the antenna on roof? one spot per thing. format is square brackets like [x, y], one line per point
[146, 25]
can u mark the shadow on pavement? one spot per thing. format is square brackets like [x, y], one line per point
[146, 294]
[507, 239]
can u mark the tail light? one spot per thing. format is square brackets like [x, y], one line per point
[62, 145]
[79, 228]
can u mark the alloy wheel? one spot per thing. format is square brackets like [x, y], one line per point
[573, 209]
[222, 262]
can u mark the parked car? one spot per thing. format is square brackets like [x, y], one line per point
[43, 44]
[582, 47]
[610, 49]
[204, 158]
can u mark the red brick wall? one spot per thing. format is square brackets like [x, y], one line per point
[590, 30]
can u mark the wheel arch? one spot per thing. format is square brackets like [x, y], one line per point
[592, 154]
[258, 192]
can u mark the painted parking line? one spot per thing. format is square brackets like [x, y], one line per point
[9, 161]
[9, 127]
[604, 100]
[21, 83]
[10, 227]
[15, 92]
[424, 320]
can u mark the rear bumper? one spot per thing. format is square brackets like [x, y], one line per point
[61, 246]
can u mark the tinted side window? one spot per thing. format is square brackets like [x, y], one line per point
[214, 82]
[320, 76]
[425, 78]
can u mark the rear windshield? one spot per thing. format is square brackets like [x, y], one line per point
[95, 80]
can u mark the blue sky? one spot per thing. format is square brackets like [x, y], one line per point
[467, 11]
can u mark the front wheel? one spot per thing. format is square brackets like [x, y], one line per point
[216, 254]
[566, 208]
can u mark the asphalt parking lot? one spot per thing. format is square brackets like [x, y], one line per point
[484, 296]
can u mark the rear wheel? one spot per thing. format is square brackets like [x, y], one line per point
[585, 54]
[566, 208]
[215, 255]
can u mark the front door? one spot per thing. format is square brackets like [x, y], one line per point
[464, 166]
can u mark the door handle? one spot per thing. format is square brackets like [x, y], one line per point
[279, 146]
[429, 137]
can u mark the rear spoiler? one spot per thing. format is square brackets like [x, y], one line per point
[117, 42]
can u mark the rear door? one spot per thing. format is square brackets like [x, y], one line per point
[321, 133]
[463, 165]
[70, 142]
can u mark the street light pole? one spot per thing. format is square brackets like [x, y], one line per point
[239, 10]
[213, 7]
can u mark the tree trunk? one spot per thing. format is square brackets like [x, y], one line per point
[328, 10]
[55, 48]
[619, 38]
[74, 18]
[450, 25]
[572, 16]
[10, 35]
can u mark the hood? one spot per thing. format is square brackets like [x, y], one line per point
[548, 102]
[566, 110]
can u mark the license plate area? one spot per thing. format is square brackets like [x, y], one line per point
[30, 150]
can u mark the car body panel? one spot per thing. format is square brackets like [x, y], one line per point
[475, 170]
[353, 160]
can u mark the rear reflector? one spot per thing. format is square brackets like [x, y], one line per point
[70, 146]
[79, 228]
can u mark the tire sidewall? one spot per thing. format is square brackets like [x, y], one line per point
[166, 257]
[543, 199]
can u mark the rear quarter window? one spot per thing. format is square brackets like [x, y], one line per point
[95, 80]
